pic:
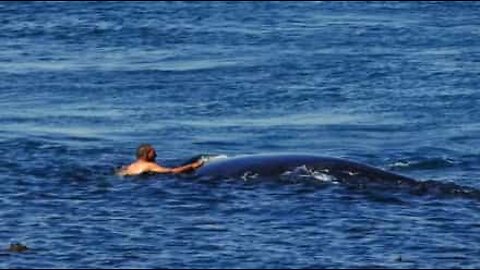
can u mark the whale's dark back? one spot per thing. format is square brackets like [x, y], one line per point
[272, 165]
[345, 171]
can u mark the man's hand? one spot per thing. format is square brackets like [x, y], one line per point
[197, 164]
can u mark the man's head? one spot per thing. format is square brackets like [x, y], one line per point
[146, 152]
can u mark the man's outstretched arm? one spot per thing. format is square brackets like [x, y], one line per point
[192, 166]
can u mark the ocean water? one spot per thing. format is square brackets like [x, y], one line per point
[391, 84]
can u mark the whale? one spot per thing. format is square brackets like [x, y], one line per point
[344, 171]
[268, 165]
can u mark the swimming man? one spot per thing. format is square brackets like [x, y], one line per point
[145, 163]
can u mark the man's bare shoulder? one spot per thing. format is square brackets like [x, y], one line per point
[136, 168]
[141, 167]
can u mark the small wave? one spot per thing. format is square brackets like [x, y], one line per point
[203, 157]
[249, 176]
[427, 164]
[303, 173]
[208, 158]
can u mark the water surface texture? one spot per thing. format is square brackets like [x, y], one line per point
[394, 85]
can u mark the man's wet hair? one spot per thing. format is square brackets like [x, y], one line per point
[143, 149]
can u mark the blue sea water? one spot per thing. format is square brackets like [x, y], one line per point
[390, 84]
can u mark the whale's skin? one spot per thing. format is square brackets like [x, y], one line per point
[347, 172]
[269, 165]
